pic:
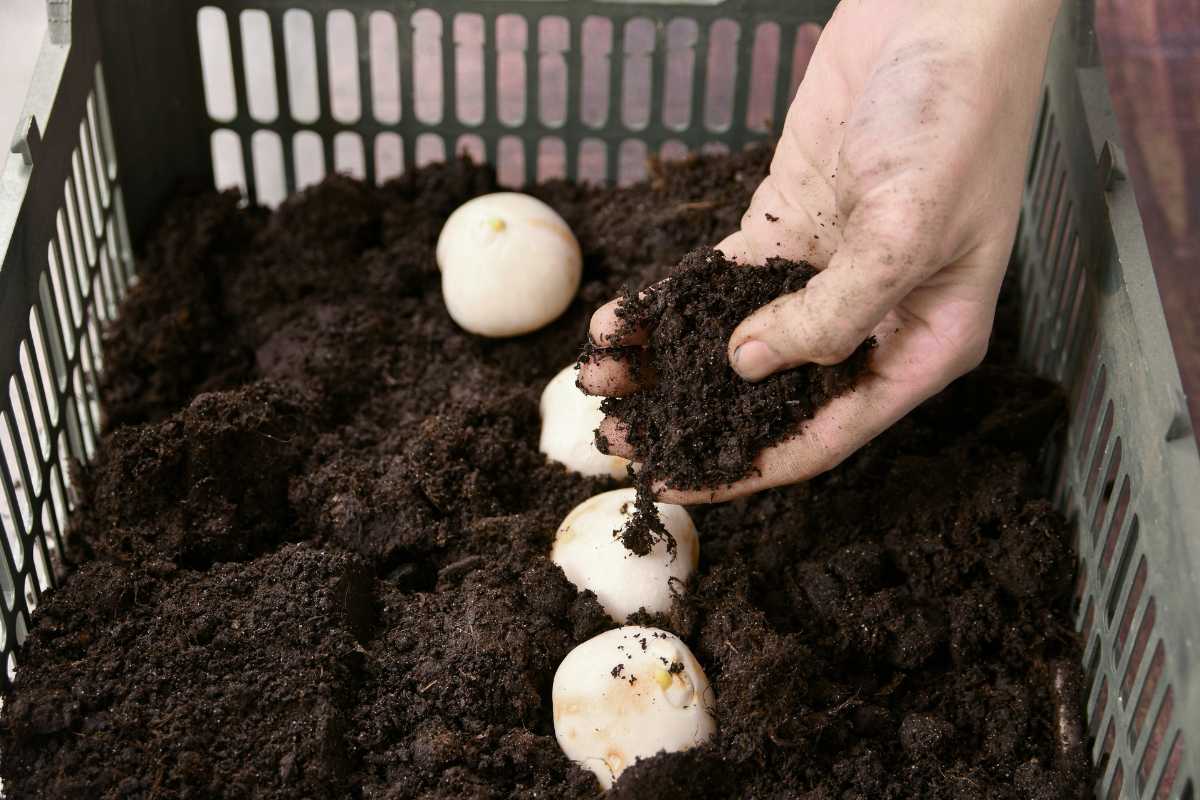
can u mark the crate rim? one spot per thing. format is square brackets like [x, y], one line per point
[37, 148]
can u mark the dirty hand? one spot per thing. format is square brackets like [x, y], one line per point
[898, 175]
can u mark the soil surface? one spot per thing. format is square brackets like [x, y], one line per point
[312, 553]
[695, 424]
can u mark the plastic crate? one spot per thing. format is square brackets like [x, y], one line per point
[585, 89]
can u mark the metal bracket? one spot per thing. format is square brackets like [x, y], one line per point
[1111, 164]
[58, 17]
[1180, 425]
[27, 140]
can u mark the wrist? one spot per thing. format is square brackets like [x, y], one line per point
[1018, 24]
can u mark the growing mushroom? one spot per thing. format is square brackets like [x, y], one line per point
[589, 549]
[510, 264]
[627, 694]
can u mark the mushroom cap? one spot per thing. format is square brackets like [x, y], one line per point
[630, 693]
[510, 264]
[589, 550]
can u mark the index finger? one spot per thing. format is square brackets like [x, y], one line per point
[606, 329]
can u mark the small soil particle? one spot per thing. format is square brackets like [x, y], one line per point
[311, 556]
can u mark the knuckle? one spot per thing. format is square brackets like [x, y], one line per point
[597, 329]
[973, 353]
[834, 347]
[905, 225]
[834, 354]
[823, 333]
[962, 352]
[901, 238]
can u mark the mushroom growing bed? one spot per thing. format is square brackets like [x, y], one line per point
[313, 555]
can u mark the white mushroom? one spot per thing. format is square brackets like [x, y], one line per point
[628, 694]
[569, 422]
[509, 264]
[588, 547]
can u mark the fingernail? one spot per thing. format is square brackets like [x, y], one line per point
[755, 360]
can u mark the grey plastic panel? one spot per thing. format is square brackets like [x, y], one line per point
[519, 82]
[1129, 476]
[66, 266]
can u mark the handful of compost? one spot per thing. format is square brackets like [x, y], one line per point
[672, 400]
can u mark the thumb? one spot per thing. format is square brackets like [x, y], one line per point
[825, 321]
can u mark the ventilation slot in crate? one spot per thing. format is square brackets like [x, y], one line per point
[49, 412]
[1128, 696]
[295, 94]
[1125, 650]
[1134, 729]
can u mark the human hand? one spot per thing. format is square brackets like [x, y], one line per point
[898, 175]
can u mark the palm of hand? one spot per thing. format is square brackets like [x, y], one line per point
[898, 175]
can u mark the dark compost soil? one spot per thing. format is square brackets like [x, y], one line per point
[313, 547]
[695, 424]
